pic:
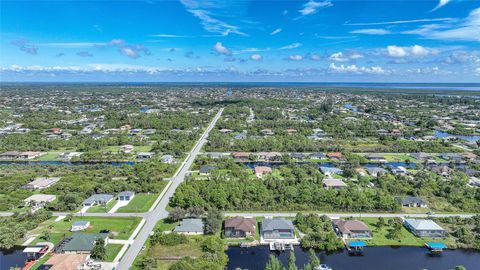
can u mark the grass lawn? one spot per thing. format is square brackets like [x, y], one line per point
[112, 251]
[49, 156]
[191, 249]
[380, 236]
[139, 203]
[120, 228]
[163, 225]
[102, 208]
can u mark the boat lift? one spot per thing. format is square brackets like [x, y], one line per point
[435, 248]
[355, 247]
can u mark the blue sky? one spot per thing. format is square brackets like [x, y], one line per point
[240, 40]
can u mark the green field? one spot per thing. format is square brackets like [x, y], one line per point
[112, 251]
[120, 228]
[49, 156]
[139, 203]
[102, 208]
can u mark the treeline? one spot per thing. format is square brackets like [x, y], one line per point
[14, 228]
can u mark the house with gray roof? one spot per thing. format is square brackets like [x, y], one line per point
[79, 225]
[190, 226]
[126, 195]
[277, 228]
[330, 170]
[81, 243]
[98, 199]
[42, 183]
[411, 201]
[424, 228]
[375, 171]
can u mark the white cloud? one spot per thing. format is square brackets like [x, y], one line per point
[291, 46]
[201, 10]
[377, 70]
[256, 57]
[371, 31]
[338, 57]
[219, 48]
[312, 7]
[415, 50]
[356, 56]
[467, 30]
[315, 57]
[441, 3]
[116, 42]
[276, 31]
[72, 44]
[295, 57]
[477, 71]
[403, 22]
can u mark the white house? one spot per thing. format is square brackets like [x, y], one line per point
[126, 195]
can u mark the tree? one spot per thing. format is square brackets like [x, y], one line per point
[460, 267]
[99, 252]
[314, 260]
[177, 214]
[274, 264]
[291, 261]
[213, 221]
[46, 235]
[148, 263]
[380, 222]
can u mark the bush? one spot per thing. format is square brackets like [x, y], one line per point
[170, 239]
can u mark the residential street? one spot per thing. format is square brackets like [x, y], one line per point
[159, 211]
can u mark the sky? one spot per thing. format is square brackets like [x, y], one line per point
[240, 41]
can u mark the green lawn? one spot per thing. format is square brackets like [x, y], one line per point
[102, 208]
[49, 156]
[139, 203]
[136, 149]
[380, 236]
[112, 251]
[120, 228]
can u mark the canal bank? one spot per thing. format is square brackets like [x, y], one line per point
[374, 258]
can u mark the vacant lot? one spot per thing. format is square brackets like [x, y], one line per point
[139, 203]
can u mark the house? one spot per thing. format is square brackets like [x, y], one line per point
[214, 155]
[267, 132]
[190, 226]
[81, 243]
[126, 195]
[29, 155]
[351, 229]
[79, 226]
[442, 170]
[168, 159]
[240, 227]
[69, 155]
[375, 158]
[240, 136]
[290, 131]
[297, 156]
[98, 199]
[376, 171]
[335, 155]
[55, 131]
[127, 148]
[330, 170]
[240, 155]
[69, 261]
[400, 170]
[125, 127]
[10, 155]
[277, 228]
[317, 156]
[145, 155]
[225, 131]
[411, 201]
[262, 170]
[474, 182]
[332, 183]
[41, 183]
[424, 228]
[204, 170]
[37, 201]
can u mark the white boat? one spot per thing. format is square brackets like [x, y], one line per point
[323, 267]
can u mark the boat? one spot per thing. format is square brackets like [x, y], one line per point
[323, 267]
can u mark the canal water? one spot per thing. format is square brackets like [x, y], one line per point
[472, 138]
[13, 257]
[374, 258]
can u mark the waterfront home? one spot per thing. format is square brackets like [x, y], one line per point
[79, 225]
[474, 182]
[277, 229]
[241, 155]
[69, 155]
[269, 156]
[205, 170]
[81, 243]
[10, 155]
[335, 155]
[376, 171]
[168, 159]
[442, 170]
[126, 195]
[240, 227]
[375, 158]
[453, 157]
[351, 229]
[317, 155]
[400, 170]
[190, 226]
[298, 156]
[214, 155]
[145, 155]
[331, 183]
[260, 171]
[37, 201]
[29, 155]
[98, 199]
[330, 170]
[411, 201]
[424, 228]
[41, 183]
[69, 261]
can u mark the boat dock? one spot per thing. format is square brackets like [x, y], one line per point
[435, 247]
[280, 246]
[355, 247]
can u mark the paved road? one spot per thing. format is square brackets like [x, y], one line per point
[358, 215]
[159, 211]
